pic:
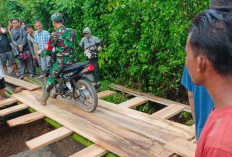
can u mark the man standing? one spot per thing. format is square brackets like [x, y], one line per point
[91, 46]
[19, 40]
[32, 44]
[200, 101]
[6, 52]
[64, 41]
[41, 38]
[209, 61]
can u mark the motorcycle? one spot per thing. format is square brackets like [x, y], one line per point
[74, 82]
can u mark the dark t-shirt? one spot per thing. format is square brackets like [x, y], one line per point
[4, 43]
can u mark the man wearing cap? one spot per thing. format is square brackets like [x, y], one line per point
[63, 40]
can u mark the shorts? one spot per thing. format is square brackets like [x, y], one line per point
[2, 83]
[8, 56]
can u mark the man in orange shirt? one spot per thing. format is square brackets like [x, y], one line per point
[209, 61]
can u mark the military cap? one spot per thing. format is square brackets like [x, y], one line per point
[56, 16]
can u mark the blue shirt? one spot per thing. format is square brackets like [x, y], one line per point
[41, 38]
[203, 103]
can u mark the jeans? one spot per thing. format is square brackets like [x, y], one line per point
[44, 62]
[22, 64]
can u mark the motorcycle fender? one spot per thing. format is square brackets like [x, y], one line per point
[88, 77]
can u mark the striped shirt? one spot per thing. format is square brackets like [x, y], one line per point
[42, 39]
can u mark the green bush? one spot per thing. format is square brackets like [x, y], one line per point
[145, 39]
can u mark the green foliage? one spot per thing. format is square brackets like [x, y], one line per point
[144, 39]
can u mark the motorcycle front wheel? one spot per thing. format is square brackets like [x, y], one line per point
[88, 96]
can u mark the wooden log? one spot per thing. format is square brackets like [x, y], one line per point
[25, 119]
[48, 138]
[105, 94]
[169, 111]
[7, 102]
[149, 97]
[182, 147]
[21, 83]
[134, 102]
[13, 109]
[111, 136]
[91, 151]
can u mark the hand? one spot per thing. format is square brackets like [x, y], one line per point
[37, 57]
[38, 52]
[34, 57]
[20, 48]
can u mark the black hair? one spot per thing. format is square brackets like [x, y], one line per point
[22, 22]
[211, 35]
[15, 19]
[220, 3]
[27, 26]
[10, 20]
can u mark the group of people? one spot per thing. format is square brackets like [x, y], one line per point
[31, 49]
[208, 78]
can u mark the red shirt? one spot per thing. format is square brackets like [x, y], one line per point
[216, 136]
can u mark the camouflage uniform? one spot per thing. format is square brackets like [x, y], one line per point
[64, 42]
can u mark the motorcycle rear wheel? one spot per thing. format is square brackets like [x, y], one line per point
[88, 96]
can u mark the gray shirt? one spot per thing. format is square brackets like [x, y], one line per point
[87, 42]
[32, 45]
[19, 37]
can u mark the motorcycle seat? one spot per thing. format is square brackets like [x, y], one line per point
[74, 66]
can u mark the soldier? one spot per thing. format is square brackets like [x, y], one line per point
[63, 40]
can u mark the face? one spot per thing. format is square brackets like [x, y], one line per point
[38, 26]
[15, 23]
[191, 62]
[23, 24]
[86, 35]
[29, 31]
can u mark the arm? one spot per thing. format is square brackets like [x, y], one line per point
[12, 38]
[24, 33]
[191, 103]
[3, 30]
[31, 47]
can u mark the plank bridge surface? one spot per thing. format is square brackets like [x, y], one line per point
[116, 128]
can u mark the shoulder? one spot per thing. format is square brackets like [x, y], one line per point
[219, 136]
[46, 32]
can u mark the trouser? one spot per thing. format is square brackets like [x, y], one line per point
[22, 64]
[94, 61]
[44, 62]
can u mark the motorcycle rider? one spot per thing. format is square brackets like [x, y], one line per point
[63, 40]
[91, 54]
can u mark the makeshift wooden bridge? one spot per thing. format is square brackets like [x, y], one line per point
[115, 128]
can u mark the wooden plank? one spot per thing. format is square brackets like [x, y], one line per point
[7, 102]
[134, 102]
[21, 83]
[48, 138]
[25, 119]
[13, 109]
[163, 124]
[149, 97]
[105, 94]
[182, 147]
[169, 111]
[91, 151]
[109, 135]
